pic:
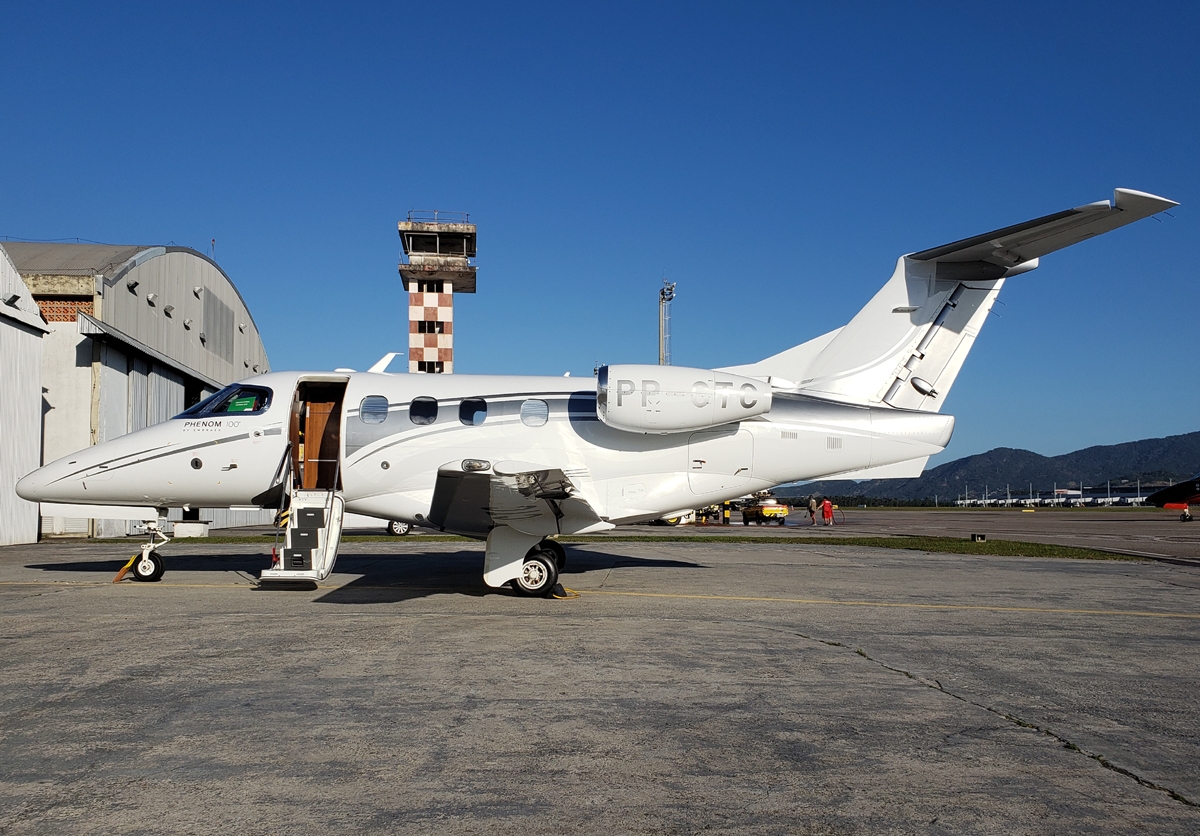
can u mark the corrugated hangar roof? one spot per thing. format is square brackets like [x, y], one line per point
[52, 259]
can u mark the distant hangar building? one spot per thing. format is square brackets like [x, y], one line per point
[136, 335]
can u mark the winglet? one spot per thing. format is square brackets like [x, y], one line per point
[1143, 204]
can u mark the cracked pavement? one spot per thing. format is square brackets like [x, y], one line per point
[791, 688]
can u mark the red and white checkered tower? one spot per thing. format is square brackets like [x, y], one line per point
[439, 261]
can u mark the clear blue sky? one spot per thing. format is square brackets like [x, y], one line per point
[772, 159]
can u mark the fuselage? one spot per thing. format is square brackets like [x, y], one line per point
[383, 438]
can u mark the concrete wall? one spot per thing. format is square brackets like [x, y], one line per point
[66, 404]
[110, 382]
[66, 391]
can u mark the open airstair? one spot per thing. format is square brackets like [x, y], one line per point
[312, 537]
[310, 482]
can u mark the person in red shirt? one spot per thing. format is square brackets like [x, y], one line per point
[827, 511]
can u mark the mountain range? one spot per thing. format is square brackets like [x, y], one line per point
[1156, 462]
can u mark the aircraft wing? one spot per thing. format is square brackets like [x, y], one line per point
[534, 499]
[1026, 241]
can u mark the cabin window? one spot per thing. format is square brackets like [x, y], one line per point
[232, 400]
[472, 411]
[534, 413]
[423, 410]
[373, 409]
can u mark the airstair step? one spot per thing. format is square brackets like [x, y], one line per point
[312, 538]
[297, 559]
[310, 517]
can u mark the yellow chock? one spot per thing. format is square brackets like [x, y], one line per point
[125, 569]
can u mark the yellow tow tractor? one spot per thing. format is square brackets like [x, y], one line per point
[764, 508]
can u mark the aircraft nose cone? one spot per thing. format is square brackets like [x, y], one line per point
[32, 486]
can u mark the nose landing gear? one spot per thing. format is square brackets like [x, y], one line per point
[147, 566]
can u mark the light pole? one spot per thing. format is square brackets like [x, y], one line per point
[665, 294]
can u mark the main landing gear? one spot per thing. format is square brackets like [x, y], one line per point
[1186, 516]
[147, 566]
[539, 572]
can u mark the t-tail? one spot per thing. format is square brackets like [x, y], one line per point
[906, 347]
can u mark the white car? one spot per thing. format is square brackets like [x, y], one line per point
[361, 522]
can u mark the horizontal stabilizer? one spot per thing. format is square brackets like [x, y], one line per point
[1026, 241]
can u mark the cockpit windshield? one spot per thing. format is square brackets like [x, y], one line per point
[235, 399]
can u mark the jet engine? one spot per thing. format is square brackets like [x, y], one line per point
[668, 399]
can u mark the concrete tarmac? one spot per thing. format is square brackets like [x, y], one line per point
[1149, 532]
[800, 687]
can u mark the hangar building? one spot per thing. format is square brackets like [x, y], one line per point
[136, 335]
[21, 332]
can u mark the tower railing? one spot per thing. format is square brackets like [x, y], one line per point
[437, 216]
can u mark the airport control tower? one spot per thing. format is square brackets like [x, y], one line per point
[439, 261]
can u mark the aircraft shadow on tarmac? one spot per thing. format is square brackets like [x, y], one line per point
[393, 578]
[251, 562]
[384, 578]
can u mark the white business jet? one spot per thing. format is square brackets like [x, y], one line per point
[515, 460]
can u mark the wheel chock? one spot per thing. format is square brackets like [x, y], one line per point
[124, 570]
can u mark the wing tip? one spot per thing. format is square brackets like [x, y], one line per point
[1142, 202]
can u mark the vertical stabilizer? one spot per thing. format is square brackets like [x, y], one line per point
[907, 346]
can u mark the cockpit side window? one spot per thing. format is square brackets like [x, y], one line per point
[232, 400]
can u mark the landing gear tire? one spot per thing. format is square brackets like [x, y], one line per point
[398, 529]
[1185, 517]
[148, 567]
[539, 575]
[672, 520]
[555, 548]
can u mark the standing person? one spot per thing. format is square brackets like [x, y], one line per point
[812, 508]
[827, 511]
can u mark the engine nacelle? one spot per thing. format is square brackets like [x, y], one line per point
[668, 399]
